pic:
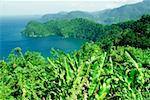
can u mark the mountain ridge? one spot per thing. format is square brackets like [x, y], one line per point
[107, 16]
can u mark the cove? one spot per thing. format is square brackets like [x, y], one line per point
[10, 37]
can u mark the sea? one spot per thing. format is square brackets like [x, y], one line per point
[11, 37]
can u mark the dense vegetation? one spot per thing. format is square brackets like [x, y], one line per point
[109, 16]
[78, 27]
[90, 73]
[114, 65]
[133, 33]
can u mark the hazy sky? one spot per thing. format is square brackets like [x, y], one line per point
[40, 7]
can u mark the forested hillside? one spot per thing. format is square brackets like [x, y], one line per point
[125, 13]
[113, 65]
[133, 33]
[109, 16]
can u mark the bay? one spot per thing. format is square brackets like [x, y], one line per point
[11, 37]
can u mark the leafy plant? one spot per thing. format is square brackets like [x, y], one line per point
[90, 73]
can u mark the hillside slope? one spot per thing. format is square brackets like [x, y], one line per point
[124, 13]
[108, 16]
[133, 33]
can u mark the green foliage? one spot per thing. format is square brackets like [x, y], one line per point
[89, 73]
[132, 33]
[80, 28]
[108, 68]
[36, 29]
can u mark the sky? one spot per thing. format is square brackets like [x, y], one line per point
[41, 7]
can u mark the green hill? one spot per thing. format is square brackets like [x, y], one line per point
[68, 15]
[123, 13]
[134, 33]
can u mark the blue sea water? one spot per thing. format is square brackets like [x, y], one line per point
[10, 37]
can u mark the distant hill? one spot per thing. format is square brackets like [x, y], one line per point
[68, 15]
[109, 16]
[124, 13]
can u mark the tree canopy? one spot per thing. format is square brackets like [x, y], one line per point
[133, 33]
